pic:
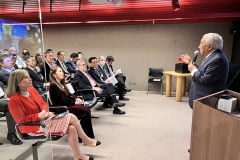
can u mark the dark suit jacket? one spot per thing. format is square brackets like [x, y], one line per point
[211, 76]
[36, 80]
[93, 73]
[107, 69]
[80, 81]
[71, 66]
[4, 76]
[59, 65]
[102, 73]
[45, 67]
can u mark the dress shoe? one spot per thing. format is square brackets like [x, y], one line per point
[89, 158]
[123, 99]
[1, 143]
[127, 90]
[12, 137]
[118, 111]
[118, 104]
[93, 145]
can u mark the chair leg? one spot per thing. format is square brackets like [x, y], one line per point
[34, 151]
[148, 89]
[162, 88]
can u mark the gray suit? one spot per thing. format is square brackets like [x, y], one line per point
[211, 76]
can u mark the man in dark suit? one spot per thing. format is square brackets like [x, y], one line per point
[61, 63]
[71, 63]
[6, 69]
[37, 78]
[211, 75]
[120, 77]
[49, 62]
[82, 80]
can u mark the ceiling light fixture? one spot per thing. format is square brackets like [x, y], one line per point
[100, 1]
[117, 2]
[175, 5]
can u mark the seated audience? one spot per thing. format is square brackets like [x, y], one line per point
[26, 105]
[60, 96]
[82, 80]
[109, 68]
[39, 60]
[6, 69]
[25, 54]
[71, 63]
[61, 63]
[19, 61]
[37, 78]
[14, 58]
[47, 64]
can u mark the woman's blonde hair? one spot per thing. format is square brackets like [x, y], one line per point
[15, 77]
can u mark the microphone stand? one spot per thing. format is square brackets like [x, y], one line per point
[224, 95]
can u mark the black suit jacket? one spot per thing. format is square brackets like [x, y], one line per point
[4, 76]
[4, 79]
[102, 72]
[80, 81]
[93, 73]
[37, 81]
[45, 67]
[59, 65]
[107, 69]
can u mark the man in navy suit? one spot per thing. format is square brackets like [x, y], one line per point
[211, 75]
[71, 63]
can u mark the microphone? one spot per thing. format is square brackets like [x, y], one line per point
[195, 56]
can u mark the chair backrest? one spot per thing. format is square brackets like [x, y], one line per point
[155, 72]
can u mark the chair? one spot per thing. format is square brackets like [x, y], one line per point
[155, 75]
[37, 138]
[88, 102]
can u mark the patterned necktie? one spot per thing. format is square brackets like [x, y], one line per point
[64, 67]
[98, 74]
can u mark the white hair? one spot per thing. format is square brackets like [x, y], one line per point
[215, 40]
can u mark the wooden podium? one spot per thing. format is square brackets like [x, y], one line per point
[215, 134]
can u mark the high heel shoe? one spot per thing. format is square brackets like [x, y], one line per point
[92, 145]
[89, 158]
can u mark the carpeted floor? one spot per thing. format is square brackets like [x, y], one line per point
[155, 127]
